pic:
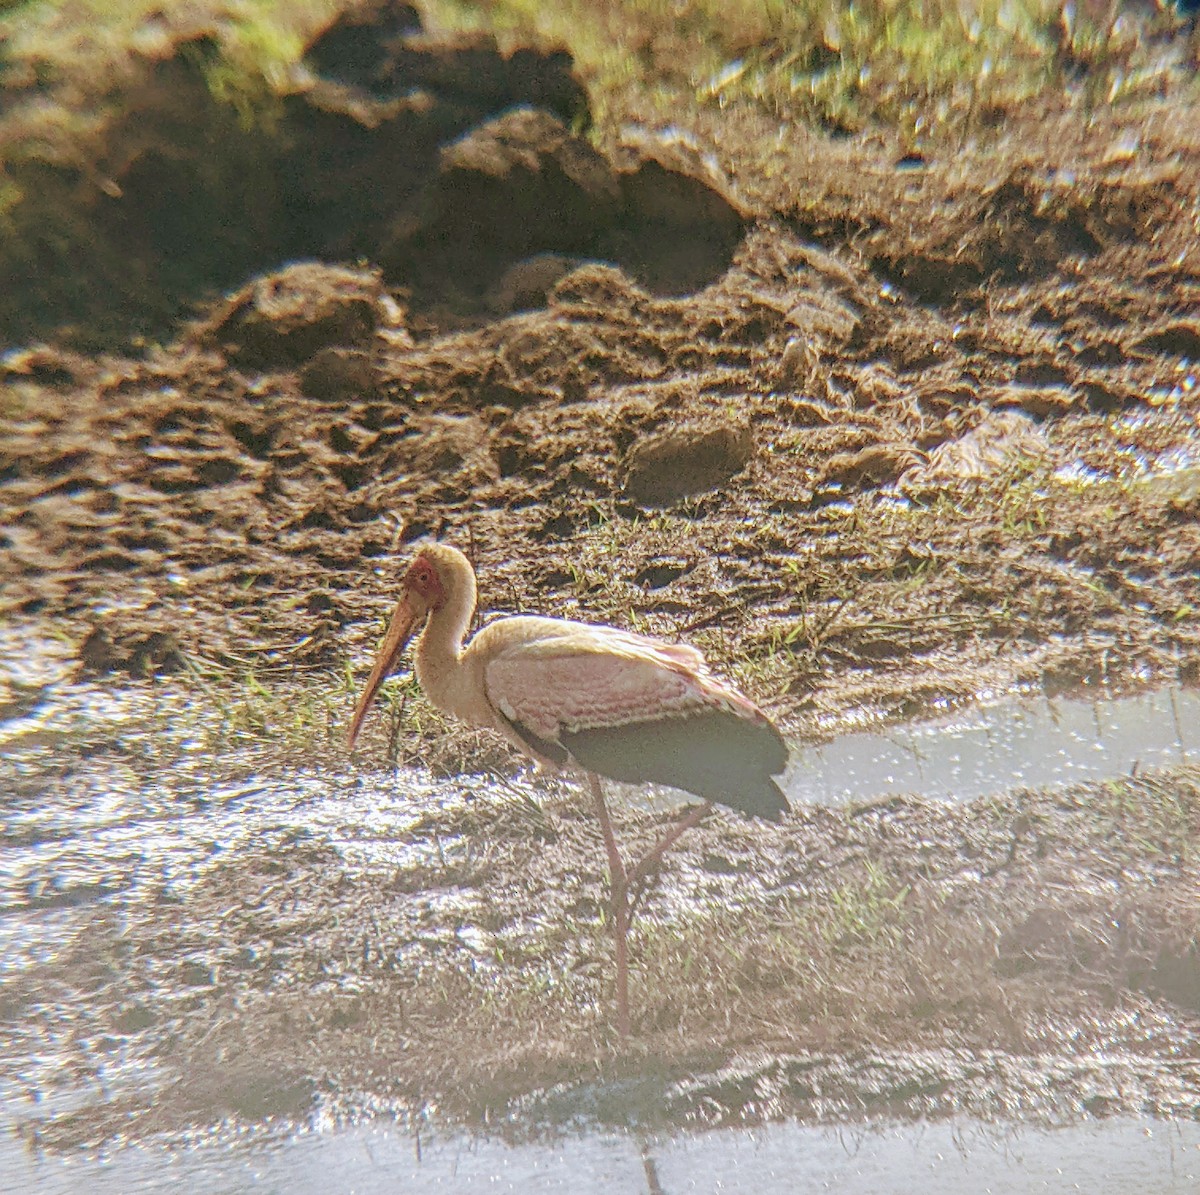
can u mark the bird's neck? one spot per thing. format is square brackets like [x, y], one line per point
[441, 647]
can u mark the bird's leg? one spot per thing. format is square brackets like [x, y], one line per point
[636, 879]
[652, 858]
[639, 876]
[616, 869]
[619, 908]
[621, 933]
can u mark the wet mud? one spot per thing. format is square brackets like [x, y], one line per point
[176, 918]
[879, 438]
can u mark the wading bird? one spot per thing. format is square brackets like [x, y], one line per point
[608, 702]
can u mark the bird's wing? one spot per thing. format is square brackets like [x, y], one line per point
[594, 677]
[637, 711]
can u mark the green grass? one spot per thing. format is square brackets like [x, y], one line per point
[58, 39]
[908, 62]
[912, 63]
[1159, 822]
[248, 712]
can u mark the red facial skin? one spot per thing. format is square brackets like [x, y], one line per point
[422, 578]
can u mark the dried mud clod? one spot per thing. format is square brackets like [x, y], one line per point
[283, 319]
[661, 469]
[520, 200]
[1009, 230]
[870, 467]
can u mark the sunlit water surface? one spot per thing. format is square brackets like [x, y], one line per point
[1120, 1157]
[1032, 742]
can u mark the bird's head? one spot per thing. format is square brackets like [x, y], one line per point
[439, 576]
[424, 589]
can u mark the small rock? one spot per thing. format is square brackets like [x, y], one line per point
[665, 467]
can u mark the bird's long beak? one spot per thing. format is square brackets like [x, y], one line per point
[399, 632]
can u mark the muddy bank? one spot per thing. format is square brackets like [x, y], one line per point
[175, 924]
[875, 434]
[847, 525]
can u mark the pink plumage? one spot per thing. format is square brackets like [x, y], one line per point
[617, 704]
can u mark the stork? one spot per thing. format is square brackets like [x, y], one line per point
[605, 701]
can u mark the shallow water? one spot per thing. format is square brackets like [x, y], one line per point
[1032, 742]
[110, 830]
[1118, 1157]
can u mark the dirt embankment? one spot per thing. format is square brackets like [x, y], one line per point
[881, 431]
